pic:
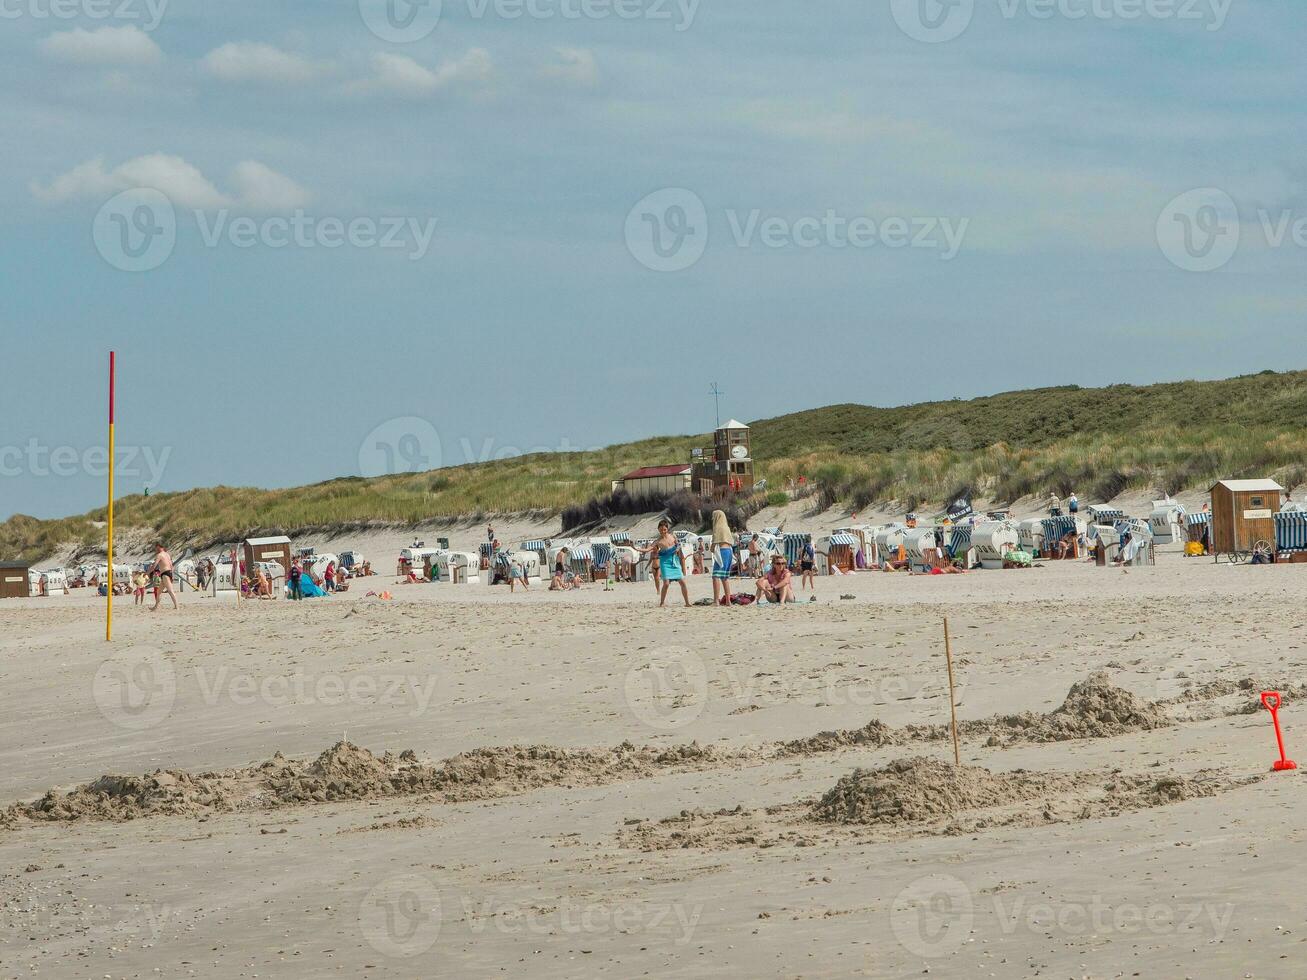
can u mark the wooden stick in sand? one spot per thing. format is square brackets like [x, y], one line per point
[952, 705]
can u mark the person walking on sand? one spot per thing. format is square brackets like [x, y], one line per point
[723, 557]
[163, 568]
[671, 563]
[808, 567]
[1054, 505]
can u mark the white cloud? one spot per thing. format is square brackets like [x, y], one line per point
[254, 185]
[251, 61]
[103, 46]
[261, 188]
[575, 65]
[400, 75]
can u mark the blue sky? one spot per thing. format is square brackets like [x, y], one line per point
[1019, 192]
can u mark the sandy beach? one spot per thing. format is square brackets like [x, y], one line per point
[582, 784]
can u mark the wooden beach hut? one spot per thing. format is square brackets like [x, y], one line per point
[1243, 517]
[273, 549]
[14, 579]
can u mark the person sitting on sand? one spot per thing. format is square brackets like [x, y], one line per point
[898, 562]
[1124, 549]
[1066, 544]
[777, 585]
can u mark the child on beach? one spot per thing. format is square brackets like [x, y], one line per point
[139, 583]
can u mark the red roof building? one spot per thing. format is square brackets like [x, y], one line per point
[651, 481]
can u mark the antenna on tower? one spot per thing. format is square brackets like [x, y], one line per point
[717, 400]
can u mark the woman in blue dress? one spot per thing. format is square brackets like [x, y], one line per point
[671, 562]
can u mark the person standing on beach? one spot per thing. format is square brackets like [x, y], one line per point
[1054, 505]
[671, 563]
[723, 556]
[294, 578]
[1073, 503]
[162, 567]
[808, 566]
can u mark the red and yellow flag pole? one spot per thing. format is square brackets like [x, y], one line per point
[108, 619]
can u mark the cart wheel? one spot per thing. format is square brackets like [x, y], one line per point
[1264, 549]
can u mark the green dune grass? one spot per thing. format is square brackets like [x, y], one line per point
[1098, 441]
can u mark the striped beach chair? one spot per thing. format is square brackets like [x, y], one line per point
[1055, 528]
[793, 545]
[960, 540]
[1290, 532]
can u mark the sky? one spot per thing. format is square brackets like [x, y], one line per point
[363, 236]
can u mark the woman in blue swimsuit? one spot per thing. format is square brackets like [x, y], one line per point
[671, 563]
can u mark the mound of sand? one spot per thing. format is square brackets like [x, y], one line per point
[1094, 708]
[874, 734]
[919, 797]
[347, 772]
[1134, 792]
[918, 790]
[118, 798]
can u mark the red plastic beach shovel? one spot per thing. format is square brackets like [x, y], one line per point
[1272, 701]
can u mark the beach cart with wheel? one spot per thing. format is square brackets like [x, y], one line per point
[1243, 519]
